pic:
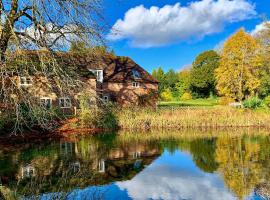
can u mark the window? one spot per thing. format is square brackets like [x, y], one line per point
[106, 98]
[98, 74]
[136, 74]
[25, 81]
[46, 102]
[101, 166]
[65, 102]
[135, 84]
[28, 171]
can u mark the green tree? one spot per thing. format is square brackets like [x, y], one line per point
[238, 73]
[202, 79]
[171, 78]
[159, 74]
[183, 84]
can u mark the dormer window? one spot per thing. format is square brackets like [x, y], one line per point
[98, 73]
[136, 74]
[25, 81]
[135, 84]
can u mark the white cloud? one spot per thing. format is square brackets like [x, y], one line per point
[156, 26]
[260, 27]
[169, 181]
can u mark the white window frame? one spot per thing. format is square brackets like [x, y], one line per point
[98, 73]
[46, 98]
[25, 82]
[136, 85]
[101, 166]
[65, 103]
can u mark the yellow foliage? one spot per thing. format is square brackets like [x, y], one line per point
[238, 74]
[186, 96]
[224, 101]
[166, 95]
[238, 163]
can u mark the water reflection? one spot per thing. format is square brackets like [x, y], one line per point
[153, 165]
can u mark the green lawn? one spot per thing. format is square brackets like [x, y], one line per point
[193, 102]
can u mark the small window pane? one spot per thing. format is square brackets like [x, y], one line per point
[65, 102]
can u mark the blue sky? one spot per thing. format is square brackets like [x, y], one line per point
[172, 33]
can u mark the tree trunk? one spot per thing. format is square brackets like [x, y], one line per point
[6, 32]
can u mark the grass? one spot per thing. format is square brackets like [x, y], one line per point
[192, 102]
[205, 117]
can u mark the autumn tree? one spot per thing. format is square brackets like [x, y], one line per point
[238, 73]
[202, 80]
[47, 24]
[263, 37]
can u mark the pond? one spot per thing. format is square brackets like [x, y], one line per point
[156, 165]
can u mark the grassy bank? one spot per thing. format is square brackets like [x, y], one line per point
[192, 102]
[211, 117]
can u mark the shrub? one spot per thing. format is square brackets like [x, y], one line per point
[186, 96]
[97, 117]
[166, 95]
[267, 101]
[224, 101]
[252, 103]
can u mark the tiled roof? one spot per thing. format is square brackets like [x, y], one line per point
[121, 69]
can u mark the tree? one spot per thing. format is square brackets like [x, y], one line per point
[202, 80]
[238, 73]
[47, 24]
[160, 76]
[183, 84]
[263, 37]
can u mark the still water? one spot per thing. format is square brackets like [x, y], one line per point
[140, 166]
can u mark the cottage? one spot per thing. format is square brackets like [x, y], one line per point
[126, 83]
[107, 77]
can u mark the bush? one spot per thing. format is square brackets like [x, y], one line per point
[186, 96]
[252, 103]
[267, 101]
[166, 95]
[92, 116]
[224, 101]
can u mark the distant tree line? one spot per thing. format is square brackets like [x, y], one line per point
[239, 71]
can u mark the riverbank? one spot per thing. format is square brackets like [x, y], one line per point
[169, 118]
[192, 117]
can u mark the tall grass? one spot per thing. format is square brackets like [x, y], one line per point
[210, 117]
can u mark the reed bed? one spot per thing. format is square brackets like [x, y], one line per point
[189, 134]
[202, 117]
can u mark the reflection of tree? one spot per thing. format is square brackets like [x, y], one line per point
[203, 152]
[239, 163]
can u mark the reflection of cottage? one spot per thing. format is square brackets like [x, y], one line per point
[28, 171]
[76, 167]
[67, 148]
[101, 166]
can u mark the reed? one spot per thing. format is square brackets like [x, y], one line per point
[199, 117]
